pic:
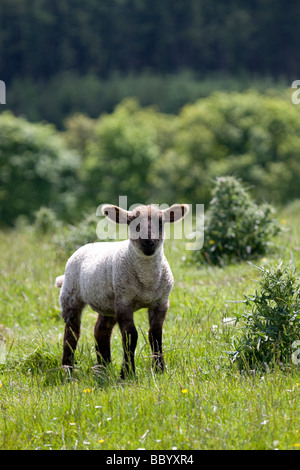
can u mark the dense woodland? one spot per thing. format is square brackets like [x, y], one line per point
[60, 56]
[40, 38]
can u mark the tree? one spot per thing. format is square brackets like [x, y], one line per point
[120, 157]
[36, 169]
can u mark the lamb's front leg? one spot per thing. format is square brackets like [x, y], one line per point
[129, 337]
[157, 316]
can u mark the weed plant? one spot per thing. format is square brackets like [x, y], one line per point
[271, 321]
[45, 221]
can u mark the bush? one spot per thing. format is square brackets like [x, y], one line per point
[75, 236]
[36, 169]
[45, 221]
[236, 228]
[79, 133]
[121, 155]
[248, 135]
[272, 322]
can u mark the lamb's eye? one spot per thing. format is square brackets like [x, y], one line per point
[138, 228]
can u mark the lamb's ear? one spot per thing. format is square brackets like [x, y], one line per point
[175, 212]
[116, 214]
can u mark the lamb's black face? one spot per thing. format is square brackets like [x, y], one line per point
[146, 224]
[146, 229]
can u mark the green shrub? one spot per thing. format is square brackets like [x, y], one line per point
[36, 169]
[45, 221]
[271, 322]
[236, 227]
[75, 236]
[79, 133]
[120, 157]
[41, 359]
[248, 135]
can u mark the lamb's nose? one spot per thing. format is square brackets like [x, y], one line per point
[147, 243]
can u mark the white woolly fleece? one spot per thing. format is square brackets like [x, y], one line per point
[98, 273]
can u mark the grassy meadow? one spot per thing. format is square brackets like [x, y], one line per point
[201, 402]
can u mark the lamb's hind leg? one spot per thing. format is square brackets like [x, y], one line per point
[72, 318]
[103, 330]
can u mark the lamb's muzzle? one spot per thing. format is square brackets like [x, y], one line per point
[118, 278]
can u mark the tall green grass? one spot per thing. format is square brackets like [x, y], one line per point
[201, 402]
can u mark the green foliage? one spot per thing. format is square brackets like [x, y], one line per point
[79, 132]
[45, 221]
[61, 96]
[249, 135]
[36, 169]
[75, 236]
[271, 322]
[127, 143]
[151, 157]
[236, 227]
[39, 360]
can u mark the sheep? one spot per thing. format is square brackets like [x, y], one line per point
[118, 278]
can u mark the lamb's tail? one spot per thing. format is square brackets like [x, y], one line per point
[59, 281]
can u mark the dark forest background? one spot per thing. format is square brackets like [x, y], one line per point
[70, 62]
[60, 56]
[41, 38]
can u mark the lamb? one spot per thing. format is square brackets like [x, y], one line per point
[118, 278]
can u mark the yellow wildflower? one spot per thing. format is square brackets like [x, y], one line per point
[184, 390]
